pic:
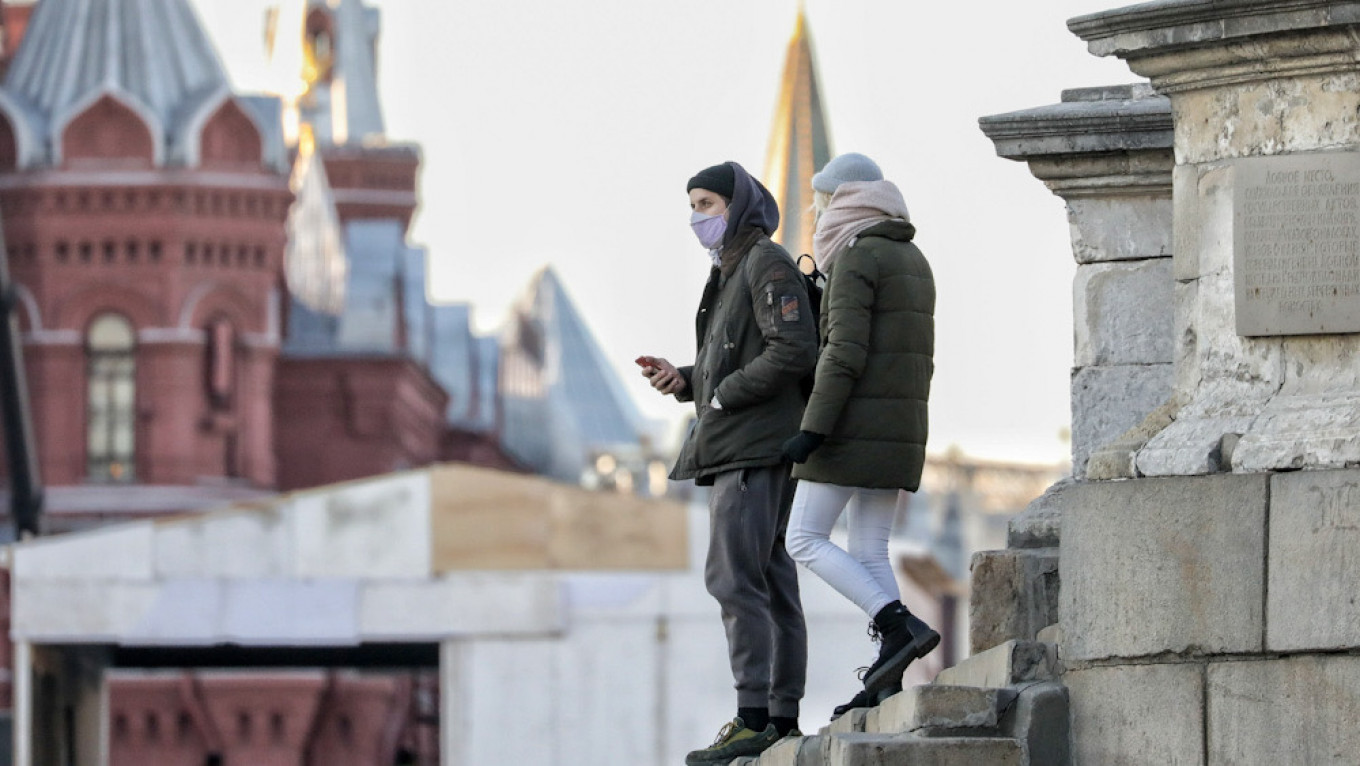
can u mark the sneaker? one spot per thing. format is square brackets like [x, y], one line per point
[734, 740]
[905, 639]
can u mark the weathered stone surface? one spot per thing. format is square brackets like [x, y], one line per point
[1010, 663]
[1290, 399]
[1119, 458]
[791, 751]
[1108, 401]
[1148, 28]
[1232, 379]
[938, 710]
[1134, 715]
[1313, 421]
[852, 721]
[1014, 595]
[1314, 570]
[1106, 122]
[1185, 248]
[1297, 710]
[1039, 719]
[1167, 565]
[894, 750]
[1290, 101]
[1120, 228]
[1040, 524]
[1293, 114]
[1123, 313]
[1302, 431]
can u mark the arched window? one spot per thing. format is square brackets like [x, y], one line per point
[111, 375]
[221, 358]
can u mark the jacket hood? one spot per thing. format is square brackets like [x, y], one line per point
[752, 207]
[894, 229]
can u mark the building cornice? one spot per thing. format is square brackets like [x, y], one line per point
[1184, 45]
[261, 181]
[1143, 28]
[1087, 121]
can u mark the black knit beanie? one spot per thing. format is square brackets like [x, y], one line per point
[719, 178]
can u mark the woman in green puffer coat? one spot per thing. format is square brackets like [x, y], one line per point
[864, 430]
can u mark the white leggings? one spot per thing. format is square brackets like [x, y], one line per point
[863, 574]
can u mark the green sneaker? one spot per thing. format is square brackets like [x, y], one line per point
[734, 741]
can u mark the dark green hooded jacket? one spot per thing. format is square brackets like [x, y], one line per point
[756, 340]
[873, 376]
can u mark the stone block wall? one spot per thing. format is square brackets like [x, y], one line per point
[1214, 619]
[1106, 152]
[1208, 615]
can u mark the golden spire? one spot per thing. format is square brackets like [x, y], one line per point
[800, 143]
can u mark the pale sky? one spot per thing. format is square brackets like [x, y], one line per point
[562, 132]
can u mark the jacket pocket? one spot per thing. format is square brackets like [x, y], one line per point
[716, 438]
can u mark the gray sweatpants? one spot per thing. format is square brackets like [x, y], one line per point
[755, 582]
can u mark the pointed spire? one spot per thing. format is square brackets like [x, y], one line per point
[800, 143]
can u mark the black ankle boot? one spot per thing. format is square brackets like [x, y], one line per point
[905, 639]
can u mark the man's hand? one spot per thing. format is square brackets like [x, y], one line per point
[663, 376]
[801, 446]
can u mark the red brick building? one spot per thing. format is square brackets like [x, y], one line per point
[148, 213]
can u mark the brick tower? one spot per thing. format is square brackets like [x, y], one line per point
[143, 207]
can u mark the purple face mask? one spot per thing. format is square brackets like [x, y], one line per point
[708, 228]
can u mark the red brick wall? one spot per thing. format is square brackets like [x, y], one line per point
[171, 259]
[341, 418]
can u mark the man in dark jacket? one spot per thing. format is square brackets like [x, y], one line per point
[756, 341]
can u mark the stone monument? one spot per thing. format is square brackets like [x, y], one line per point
[1206, 543]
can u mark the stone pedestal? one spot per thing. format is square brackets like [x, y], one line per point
[1207, 610]
[1266, 102]
[1107, 153]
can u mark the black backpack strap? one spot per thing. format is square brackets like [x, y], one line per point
[815, 273]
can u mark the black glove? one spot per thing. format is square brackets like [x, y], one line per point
[799, 447]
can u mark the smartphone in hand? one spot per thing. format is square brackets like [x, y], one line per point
[646, 361]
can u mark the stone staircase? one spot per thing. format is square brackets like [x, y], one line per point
[1004, 706]
[1000, 707]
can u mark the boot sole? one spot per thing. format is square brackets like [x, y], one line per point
[893, 669]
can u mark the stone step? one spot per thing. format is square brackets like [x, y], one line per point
[790, 751]
[851, 722]
[861, 749]
[895, 749]
[1039, 719]
[1013, 662]
[941, 711]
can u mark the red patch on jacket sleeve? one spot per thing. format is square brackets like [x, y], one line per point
[788, 308]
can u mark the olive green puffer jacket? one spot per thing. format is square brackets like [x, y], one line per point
[873, 375]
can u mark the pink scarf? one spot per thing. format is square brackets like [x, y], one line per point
[854, 207]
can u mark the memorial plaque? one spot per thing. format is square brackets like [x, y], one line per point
[1296, 244]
